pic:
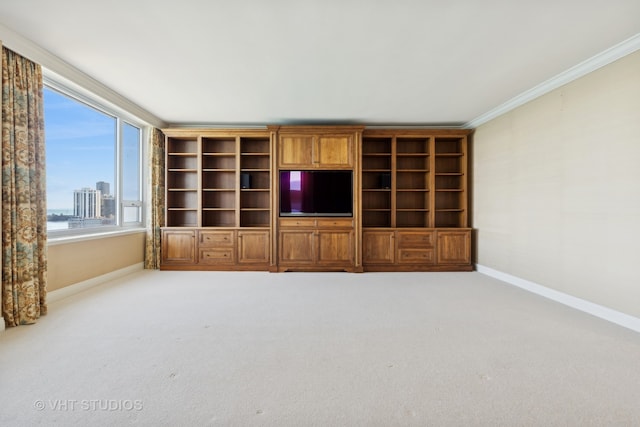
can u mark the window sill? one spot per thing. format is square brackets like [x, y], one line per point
[61, 240]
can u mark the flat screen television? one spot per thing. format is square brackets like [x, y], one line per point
[316, 193]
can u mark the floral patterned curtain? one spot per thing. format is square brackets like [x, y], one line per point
[24, 215]
[156, 204]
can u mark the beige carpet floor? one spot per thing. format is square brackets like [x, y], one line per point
[327, 349]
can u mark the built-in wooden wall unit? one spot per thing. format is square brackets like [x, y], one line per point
[316, 198]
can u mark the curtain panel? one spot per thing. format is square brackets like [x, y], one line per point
[156, 204]
[24, 215]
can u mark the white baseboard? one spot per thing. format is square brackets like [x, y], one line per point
[597, 310]
[67, 291]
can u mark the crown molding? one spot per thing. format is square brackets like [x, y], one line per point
[190, 125]
[417, 127]
[57, 69]
[606, 57]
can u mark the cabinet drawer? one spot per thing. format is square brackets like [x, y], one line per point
[216, 238]
[416, 256]
[297, 222]
[216, 256]
[337, 222]
[415, 240]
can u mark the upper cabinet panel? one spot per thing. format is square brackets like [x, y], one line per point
[296, 151]
[317, 148]
[334, 151]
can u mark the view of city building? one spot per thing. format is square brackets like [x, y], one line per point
[91, 208]
[87, 203]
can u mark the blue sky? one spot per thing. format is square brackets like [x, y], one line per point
[80, 148]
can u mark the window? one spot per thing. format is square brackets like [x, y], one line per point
[93, 161]
[131, 188]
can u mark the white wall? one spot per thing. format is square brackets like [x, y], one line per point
[71, 263]
[556, 189]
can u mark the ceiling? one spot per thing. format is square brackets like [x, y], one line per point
[386, 62]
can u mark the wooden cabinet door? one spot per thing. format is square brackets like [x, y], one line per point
[297, 247]
[253, 247]
[178, 247]
[315, 151]
[335, 247]
[295, 151]
[334, 151]
[454, 247]
[378, 247]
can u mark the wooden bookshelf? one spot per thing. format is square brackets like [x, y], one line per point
[376, 182]
[408, 216]
[205, 174]
[182, 181]
[255, 182]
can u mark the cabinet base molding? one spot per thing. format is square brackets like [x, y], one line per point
[320, 269]
[416, 268]
[200, 267]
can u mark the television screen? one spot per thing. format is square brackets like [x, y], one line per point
[316, 193]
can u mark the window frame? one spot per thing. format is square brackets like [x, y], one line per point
[121, 118]
[122, 202]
